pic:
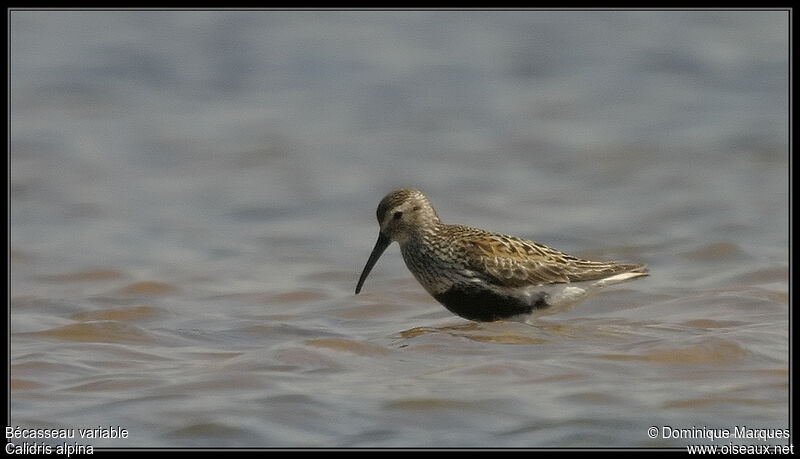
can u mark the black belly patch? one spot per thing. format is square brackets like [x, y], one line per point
[486, 305]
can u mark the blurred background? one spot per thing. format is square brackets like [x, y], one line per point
[193, 198]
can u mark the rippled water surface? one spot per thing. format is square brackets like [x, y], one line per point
[193, 197]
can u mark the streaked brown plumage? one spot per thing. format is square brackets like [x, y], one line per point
[486, 276]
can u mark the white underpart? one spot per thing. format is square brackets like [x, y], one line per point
[560, 298]
[564, 297]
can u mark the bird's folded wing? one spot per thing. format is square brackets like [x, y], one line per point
[513, 262]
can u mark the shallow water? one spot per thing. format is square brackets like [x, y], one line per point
[193, 195]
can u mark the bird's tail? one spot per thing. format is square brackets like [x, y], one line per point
[640, 271]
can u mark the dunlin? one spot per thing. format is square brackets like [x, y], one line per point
[486, 276]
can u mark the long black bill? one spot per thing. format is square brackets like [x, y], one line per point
[380, 247]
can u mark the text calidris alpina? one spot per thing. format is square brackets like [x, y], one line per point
[486, 276]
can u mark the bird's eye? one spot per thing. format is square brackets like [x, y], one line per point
[397, 215]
